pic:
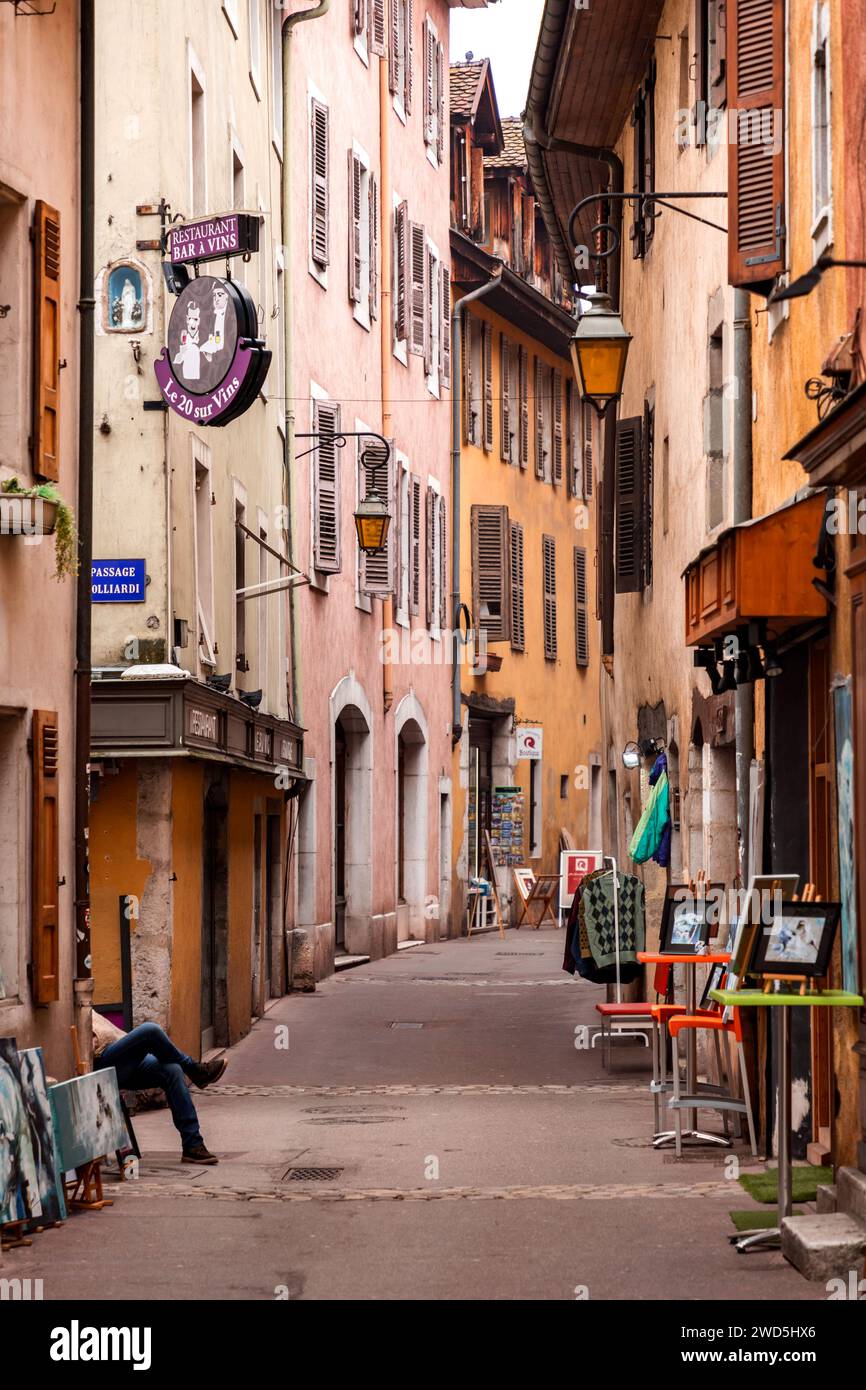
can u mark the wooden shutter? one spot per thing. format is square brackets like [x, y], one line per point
[588, 413]
[548, 556]
[319, 199]
[45, 864]
[378, 572]
[401, 268]
[581, 612]
[539, 419]
[491, 571]
[572, 448]
[395, 55]
[359, 15]
[756, 173]
[326, 489]
[431, 308]
[430, 102]
[431, 559]
[440, 101]
[414, 544]
[556, 379]
[46, 342]
[518, 614]
[505, 444]
[629, 493]
[418, 289]
[523, 384]
[443, 565]
[378, 28]
[469, 412]
[410, 43]
[445, 326]
[356, 170]
[373, 203]
[487, 371]
[648, 445]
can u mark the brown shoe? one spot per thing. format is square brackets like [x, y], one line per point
[203, 1074]
[198, 1154]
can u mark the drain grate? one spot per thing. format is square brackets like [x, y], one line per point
[405, 1025]
[312, 1174]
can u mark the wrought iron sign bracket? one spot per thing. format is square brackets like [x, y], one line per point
[664, 200]
[341, 438]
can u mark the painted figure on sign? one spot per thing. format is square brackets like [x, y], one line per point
[189, 356]
[216, 341]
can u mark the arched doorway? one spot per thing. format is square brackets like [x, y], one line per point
[352, 817]
[412, 821]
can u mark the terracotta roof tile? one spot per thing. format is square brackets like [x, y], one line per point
[465, 79]
[513, 155]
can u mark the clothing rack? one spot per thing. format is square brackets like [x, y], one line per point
[620, 1031]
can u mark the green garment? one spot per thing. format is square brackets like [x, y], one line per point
[648, 833]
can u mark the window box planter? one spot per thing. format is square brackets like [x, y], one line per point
[40, 511]
[27, 516]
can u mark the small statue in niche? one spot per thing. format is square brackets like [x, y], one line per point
[127, 309]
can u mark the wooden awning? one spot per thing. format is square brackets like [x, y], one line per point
[759, 571]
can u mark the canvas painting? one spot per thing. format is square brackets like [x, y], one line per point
[88, 1120]
[845, 824]
[19, 1184]
[42, 1138]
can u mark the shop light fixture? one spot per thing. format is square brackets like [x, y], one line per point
[631, 756]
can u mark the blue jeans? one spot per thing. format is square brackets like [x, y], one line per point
[147, 1058]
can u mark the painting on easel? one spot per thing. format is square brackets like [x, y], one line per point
[42, 1138]
[88, 1120]
[19, 1184]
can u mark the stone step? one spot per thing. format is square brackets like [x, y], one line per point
[826, 1200]
[851, 1187]
[824, 1246]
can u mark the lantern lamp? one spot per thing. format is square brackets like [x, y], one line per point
[599, 350]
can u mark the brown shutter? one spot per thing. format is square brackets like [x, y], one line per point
[648, 445]
[378, 28]
[518, 615]
[410, 44]
[548, 554]
[476, 192]
[443, 565]
[414, 544]
[431, 558]
[378, 572]
[629, 494]
[523, 383]
[491, 581]
[756, 176]
[440, 97]
[45, 866]
[319, 192]
[505, 443]
[373, 199]
[46, 342]
[556, 379]
[588, 415]
[326, 489]
[487, 372]
[581, 613]
[359, 15]
[445, 326]
[418, 291]
[401, 267]
[527, 217]
[355, 173]
[539, 419]
[572, 448]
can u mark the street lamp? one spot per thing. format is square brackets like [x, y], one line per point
[372, 520]
[599, 350]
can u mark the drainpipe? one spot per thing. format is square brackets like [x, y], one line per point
[83, 983]
[385, 322]
[742, 441]
[288, 133]
[456, 432]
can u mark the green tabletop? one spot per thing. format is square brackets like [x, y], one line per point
[755, 998]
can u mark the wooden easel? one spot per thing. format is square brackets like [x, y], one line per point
[12, 1235]
[805, 986]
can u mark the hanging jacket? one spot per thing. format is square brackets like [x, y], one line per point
[662, 855]
[648, 833]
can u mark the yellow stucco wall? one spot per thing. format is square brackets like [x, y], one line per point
[186, 816]
[115, 869]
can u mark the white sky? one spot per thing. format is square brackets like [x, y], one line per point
[506, 33]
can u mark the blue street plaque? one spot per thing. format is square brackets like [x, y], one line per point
[117, 581]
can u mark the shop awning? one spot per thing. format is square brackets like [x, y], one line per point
[834, 452]
[761, 570]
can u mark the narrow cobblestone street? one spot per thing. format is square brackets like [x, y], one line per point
[459, 1054]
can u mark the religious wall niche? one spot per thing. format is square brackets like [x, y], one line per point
[124, 290]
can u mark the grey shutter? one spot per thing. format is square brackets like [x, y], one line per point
[539, 420]
[319, 194]
[431, 292]
[443, 565]
[401, 271]
[410, 45]
[628, 545]
[556, 383]
[581, 612]
[468, 403]
[378, 572]
[355, 175]
[378, 28]
[518, 614]
[373, 201]
[429, 115]
[418, 290]
[487, 373]
[587, 449]
[573, 440]
[440, 95]
[326, 489]
[548, 556]
[491, 583]
[523, 375]
[414, 544]
[431, 559]
[505, 450]
[445, 326]
[395, 56]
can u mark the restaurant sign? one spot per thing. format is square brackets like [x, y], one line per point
[214, 365]
[213, 238]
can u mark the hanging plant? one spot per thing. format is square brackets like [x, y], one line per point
[65, 535]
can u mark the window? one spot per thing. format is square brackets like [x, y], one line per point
[363, 237]
[16, 290]
[326, 488]
[487, 376]
[630, 496]
[822, 148]
[756, 158]
[543, 420]
[643, 173]
[491, 580]
[558, 436]
[518, 616]
[319, 188]
[435, 571]
[523, 405]
[400, 54]
[548, 565]
[714, 426]
[710, 60]
[581, 608]
[419, 269]
[472, 381]
[434, 320]
[535, 809]
[255, 46]
[203, 548]
[197, 137]
[445, 326]
[434, 93]
[240, 662]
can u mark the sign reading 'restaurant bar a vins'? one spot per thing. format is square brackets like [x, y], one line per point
[212, 238]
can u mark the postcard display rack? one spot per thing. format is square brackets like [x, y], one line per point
[506, 826]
